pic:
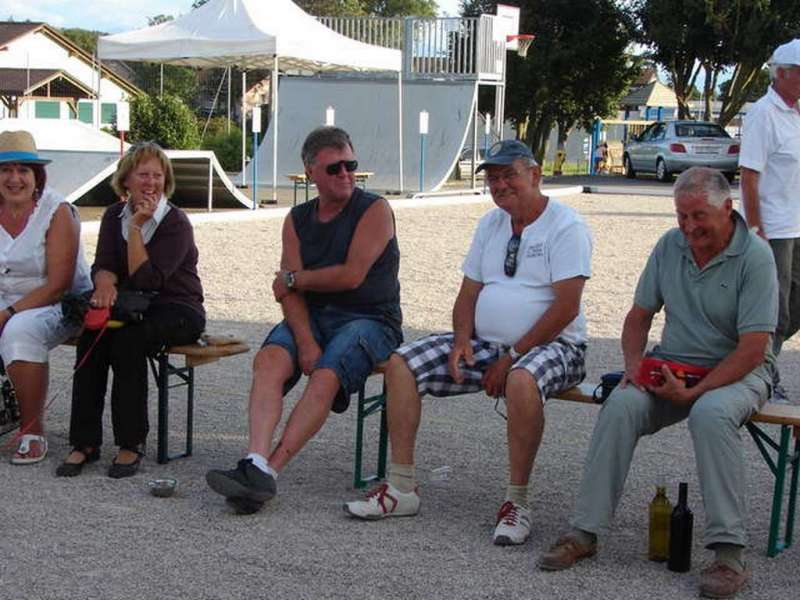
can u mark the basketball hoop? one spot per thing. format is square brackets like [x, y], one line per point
[524, 41]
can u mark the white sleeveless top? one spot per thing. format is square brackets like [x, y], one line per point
[23, 260]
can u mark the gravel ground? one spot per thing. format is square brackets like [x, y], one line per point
[93, 537]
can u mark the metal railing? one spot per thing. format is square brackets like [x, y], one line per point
[457, 47]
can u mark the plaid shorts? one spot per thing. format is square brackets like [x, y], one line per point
[555, 367]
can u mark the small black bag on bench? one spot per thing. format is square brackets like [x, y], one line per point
[9, 405]
[607, 384]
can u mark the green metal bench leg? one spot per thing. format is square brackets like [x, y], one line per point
[774, 546]
[792, 492]
[785, 458]
[367, 407]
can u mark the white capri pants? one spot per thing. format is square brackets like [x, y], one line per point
[30, 334]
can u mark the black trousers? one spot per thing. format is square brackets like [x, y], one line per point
[125, 351]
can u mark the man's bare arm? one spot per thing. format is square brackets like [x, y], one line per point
[750, 199]
[634, 342]
[463, 326]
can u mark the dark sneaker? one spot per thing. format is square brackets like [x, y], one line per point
[246, 481]
[565, 553]
[721, 581]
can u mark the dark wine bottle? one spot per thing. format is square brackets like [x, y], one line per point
[680, 534]
[660, 514]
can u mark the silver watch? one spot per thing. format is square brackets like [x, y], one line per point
[513, 353]
[288, 279]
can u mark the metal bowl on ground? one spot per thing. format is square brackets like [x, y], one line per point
[164, 487]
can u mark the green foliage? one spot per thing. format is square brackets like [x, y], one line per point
[165, 120]
[381, 8]
[758, 89]
[178, 81]
[686, 36]
[83, 38]
[227, 146]
[576, 69]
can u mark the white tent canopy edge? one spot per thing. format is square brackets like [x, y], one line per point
[249, 34]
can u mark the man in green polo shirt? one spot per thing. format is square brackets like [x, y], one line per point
[717, 284]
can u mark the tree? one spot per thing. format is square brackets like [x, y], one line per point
[758, 89]
[687, 36]
[165, 120]
[576, 70]
[83, 38]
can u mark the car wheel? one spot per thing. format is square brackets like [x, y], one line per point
[629, 172]
[661, 171]
[730, 177]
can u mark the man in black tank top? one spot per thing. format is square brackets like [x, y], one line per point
[340, 297]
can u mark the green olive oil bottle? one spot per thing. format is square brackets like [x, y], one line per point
[660, 513]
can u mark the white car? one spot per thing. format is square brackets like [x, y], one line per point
[669, 147]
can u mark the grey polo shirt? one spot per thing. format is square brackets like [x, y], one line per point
[706, 310]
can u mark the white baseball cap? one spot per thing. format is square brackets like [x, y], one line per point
[787, 54]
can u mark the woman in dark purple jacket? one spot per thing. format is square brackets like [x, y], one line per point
[147, 244]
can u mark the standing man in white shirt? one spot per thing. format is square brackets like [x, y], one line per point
[519, 332]
[770, 174]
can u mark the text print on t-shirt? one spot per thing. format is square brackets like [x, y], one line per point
[535, 250]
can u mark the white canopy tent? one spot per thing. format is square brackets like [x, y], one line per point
[251, 34]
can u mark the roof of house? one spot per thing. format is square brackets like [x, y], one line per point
[652, 94]
[23, 82]
[10, 31]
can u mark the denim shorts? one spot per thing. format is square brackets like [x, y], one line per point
[352, 344]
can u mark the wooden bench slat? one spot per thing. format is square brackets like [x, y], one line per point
[775, 414]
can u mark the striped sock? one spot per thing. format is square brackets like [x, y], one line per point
[402, 477]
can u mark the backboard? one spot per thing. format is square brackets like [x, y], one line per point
[507, 23]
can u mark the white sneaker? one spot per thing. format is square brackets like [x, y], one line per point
[384, 501]
[513, 525]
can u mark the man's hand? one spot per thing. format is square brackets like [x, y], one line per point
[462, 350]
[494, 378]
[673, 389]
[631, 374]
[279, 287]
[308, 355]
[104, 296]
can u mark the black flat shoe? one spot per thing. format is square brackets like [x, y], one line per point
[66, 469]
[119, 470]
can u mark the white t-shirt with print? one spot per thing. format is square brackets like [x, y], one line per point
[556, 246]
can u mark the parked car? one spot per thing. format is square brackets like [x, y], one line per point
[669, 147]
[464, 165]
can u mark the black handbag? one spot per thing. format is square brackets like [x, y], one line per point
[607, 384]
[131, 305]
[9, 405]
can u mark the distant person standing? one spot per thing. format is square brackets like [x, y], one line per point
[770, 179]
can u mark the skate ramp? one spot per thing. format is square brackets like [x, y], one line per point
[367, 109]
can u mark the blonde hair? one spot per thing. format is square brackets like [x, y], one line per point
[137, 154]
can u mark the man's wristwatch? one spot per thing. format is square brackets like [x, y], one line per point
[288, 279]
[513, 353]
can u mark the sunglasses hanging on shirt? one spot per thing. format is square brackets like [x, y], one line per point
[510, 264]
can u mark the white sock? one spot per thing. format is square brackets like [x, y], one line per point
[262, 464]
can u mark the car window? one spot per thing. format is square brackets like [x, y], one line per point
[645, 135]
[658, 131]
[700, 130]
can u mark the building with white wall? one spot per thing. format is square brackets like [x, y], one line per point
[43, 75]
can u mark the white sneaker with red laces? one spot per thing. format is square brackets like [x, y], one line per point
[513, 524]
[384, 501]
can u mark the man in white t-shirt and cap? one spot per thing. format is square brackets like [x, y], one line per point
[519, 333]
[770, 173]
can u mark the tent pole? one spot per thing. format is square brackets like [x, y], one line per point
[275, 130]
[244, 124]
[230, 74]
[210, 183]
[400, 123]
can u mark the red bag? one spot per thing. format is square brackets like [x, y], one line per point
[650, 372]
[96, 318]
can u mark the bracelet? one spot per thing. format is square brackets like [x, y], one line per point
[11, 310]
[134, 226]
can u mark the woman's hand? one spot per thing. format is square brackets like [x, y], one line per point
[105, 290]
[144, 210]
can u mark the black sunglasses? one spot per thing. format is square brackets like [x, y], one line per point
[334, 168]
[510, 264]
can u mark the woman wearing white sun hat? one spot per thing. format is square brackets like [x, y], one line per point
[40, 259]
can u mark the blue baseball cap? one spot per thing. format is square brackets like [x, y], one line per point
[505, 152]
